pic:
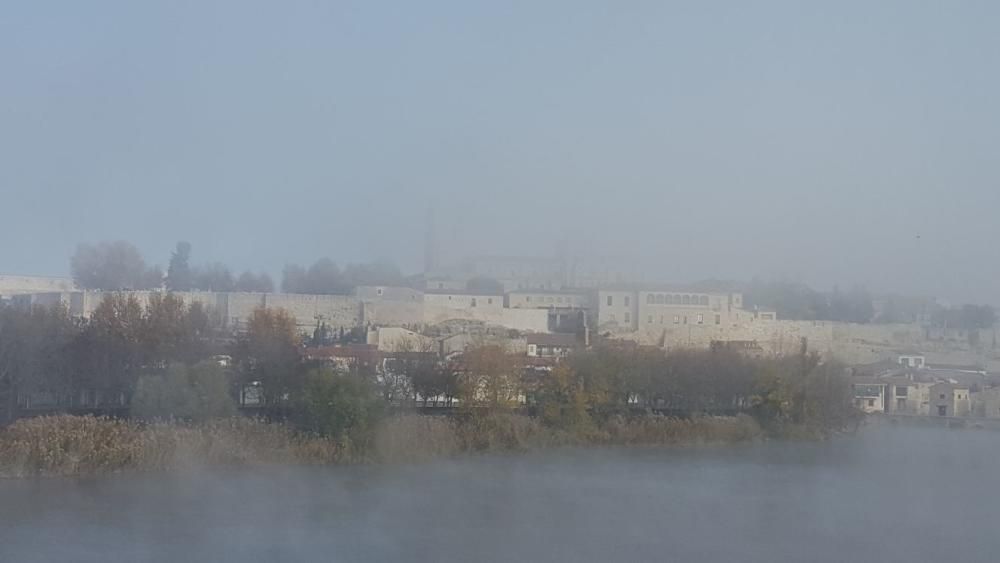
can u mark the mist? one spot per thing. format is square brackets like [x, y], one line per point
[846, 144]
[891, 494]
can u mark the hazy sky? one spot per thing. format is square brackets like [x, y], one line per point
[855, 142]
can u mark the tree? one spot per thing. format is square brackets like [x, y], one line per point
[197, 393]
[325, 278]
[293, 278]
[268, 353]
[492, 377]
[431, 380]
[248, 281]
[33, 353]
[372, 273]
[179, 274]
[563, 402]
[112, 266]
[162, 396]
[343, 407]
[172, 331]
[966, 317]
[214, 277]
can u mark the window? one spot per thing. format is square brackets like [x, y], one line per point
[718, 319]
[626, 300]
[703, 300]
[677, 319]
[628, 318]
[902, 391]
[650, 299]
[701, 319]
[942, 395]
[527, 299]
[610, 300]
[440, 286]
[378, 292]
[650, 320]
[685, 319]
[489, 301]
[686, 300]
[661, 319]
[661, 299]
[871, 402]
[473, 301]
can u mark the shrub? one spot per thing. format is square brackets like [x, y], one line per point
[346, 408]
[194, 393]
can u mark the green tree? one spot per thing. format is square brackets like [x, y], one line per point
[563, 401]
[34, 357]
[214, 277]
[197, 393]
[343, 407]
[179, 274]
[164, 396]
[248, 281]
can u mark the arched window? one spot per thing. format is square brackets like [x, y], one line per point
[661, 299]
[650, 299]
[686, 300]
[670, 299]
[703, 300]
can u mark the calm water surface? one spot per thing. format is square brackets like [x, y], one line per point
[887, 495]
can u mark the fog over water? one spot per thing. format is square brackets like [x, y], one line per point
[888, 495]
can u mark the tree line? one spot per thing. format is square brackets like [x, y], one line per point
[118, 265]
[797, 301]
[171, 359]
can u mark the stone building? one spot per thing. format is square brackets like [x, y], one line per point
[869, 394]
[949, 399]
[905, 396]
[672, 316]
[986, 403]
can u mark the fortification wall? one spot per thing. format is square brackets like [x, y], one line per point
[21, 285]
[337, 311]
[392, 313]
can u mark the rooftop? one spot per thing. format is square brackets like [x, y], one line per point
[555, 339]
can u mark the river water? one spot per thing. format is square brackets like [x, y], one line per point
[888, 494]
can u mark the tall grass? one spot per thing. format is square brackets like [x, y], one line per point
[85, 445]
[410, 438]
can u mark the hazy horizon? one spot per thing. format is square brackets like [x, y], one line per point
[833, 145]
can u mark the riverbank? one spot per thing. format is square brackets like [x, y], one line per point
[83, 445]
